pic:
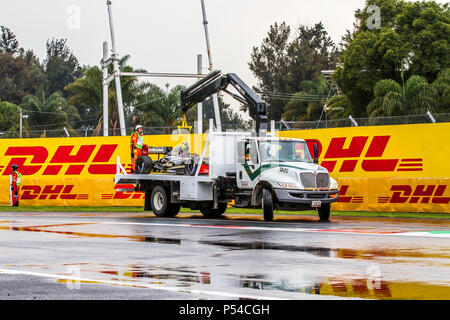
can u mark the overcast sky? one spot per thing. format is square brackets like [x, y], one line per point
[167, 35]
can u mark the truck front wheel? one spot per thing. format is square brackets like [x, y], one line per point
[324, 212]
[267, 204]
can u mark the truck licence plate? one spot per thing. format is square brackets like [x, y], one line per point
[316, 204]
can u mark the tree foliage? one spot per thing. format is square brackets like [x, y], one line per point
[281, 64]
[417, 96]
[8, 41]
[61, 66]
[52, 113]
[413, 39]
[10, 120]
[20, 71]
[229, 118]
[307, 104]
[86, 93]
[158, 107]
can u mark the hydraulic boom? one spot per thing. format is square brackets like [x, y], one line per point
[216, 82]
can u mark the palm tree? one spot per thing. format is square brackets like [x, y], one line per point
[9, 120]
[338, 107]
[87, 95]
[442, 86]
[417, 96]
[307, 105]
[388, 101]
[51, 114]
[158, 107]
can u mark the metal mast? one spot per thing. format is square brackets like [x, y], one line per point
[105, 64]
[107, 79]
[208, 48]
[115, 61]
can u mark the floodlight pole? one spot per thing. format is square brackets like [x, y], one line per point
[105, 64]
[200, 105]
[21, 123]
[208, 48]
[117, 73]
[115, 60]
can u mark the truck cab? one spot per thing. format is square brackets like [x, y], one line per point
[282, 174]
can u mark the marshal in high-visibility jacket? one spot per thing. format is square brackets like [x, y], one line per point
[14, 183]
[137, 143]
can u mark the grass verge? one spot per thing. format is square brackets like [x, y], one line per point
[231, 211]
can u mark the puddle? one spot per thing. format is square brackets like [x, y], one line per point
[344, 253]
[349, 286]
[339, 286]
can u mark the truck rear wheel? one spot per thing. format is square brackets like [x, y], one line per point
[160, 203]
[214, 213]
[324, 212]
[144, 165]
[267, 204]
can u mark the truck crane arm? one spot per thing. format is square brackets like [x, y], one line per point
[216, 82]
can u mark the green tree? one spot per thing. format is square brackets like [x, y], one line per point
[20, 71]
[307, 105]
[413, 39]
[442, 87]
[8, 41]
[158, 107]
[61, 66]
[338, 107]
[281, 64]
[416, 97]
[270, 64]
[86, 93]
[51, 114]
[10, 120]
[229, 118]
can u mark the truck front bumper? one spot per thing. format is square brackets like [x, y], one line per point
[305, 196]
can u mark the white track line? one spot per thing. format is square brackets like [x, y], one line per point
[278, 229]
[231, 227]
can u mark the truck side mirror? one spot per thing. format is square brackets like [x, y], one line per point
[316, 154]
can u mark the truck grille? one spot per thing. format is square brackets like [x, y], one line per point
[311, 180]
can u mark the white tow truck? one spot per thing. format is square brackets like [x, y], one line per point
[245, 169]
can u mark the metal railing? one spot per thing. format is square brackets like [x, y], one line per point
[363, 122]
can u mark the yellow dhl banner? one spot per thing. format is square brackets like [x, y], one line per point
[385, 168]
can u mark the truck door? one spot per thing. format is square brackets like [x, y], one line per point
[248, 167]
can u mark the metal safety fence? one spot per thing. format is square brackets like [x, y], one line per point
[279, 125]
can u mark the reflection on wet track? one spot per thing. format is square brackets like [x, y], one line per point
[231, 258]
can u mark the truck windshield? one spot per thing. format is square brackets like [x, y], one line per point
[284, 151]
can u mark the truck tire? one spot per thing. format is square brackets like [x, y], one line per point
[144, 165]
[214, 213]
[267, 204]
[324, 212]
[160, 202]
[173, 210]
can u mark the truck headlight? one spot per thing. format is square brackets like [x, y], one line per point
[288, 185]
[333, 184]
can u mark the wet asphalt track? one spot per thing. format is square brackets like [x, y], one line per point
[125, 256]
